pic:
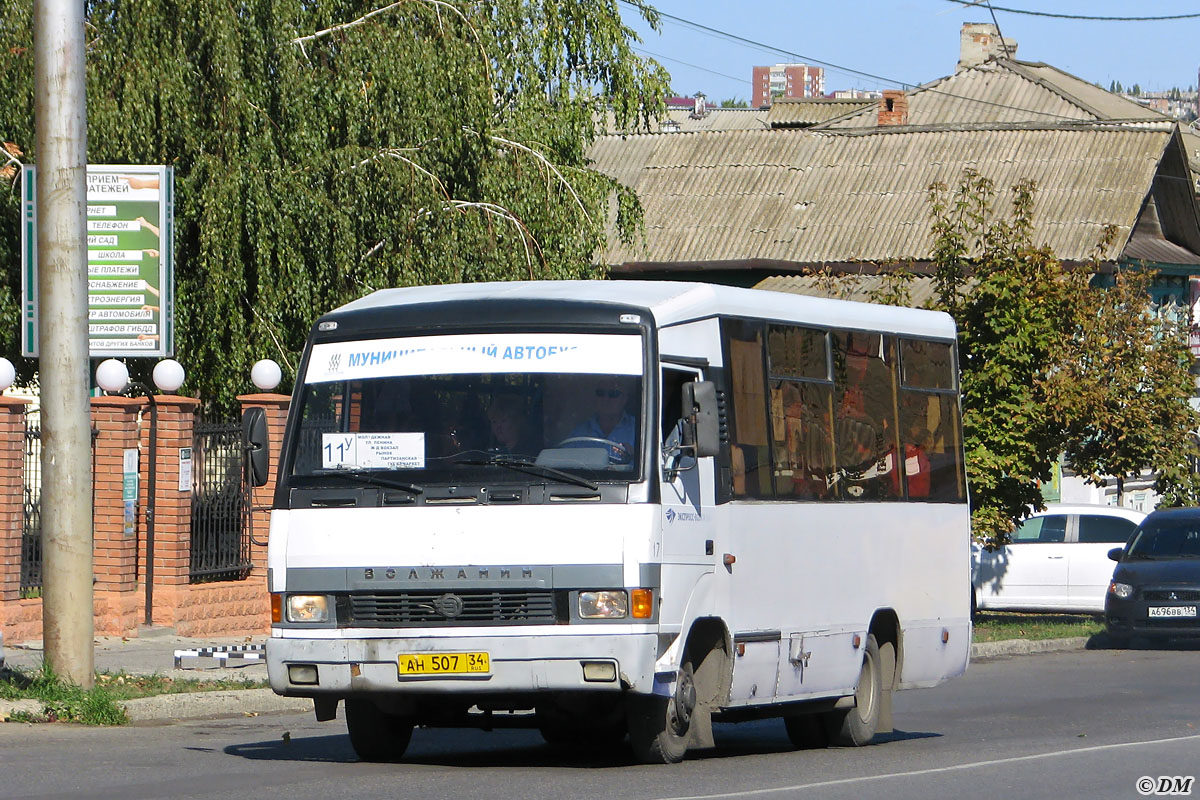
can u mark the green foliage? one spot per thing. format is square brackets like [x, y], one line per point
[1014, 316]
[61, 701]
[325, 150]
[1050, 365]
[1125, 381]
[734, 102]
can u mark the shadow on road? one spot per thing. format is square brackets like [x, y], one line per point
[525, 749]
[1102, 641]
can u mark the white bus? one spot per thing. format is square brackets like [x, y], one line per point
[612, 508]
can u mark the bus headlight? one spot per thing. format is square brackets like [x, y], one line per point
[307, 608]
[604, 604]
[1121, 590]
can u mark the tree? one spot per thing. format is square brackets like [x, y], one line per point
[1125, 380]
[734, 102]
[1013, 305]
[325, 150]
[1050, 365]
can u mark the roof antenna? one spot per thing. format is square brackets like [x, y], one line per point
[1003, 44]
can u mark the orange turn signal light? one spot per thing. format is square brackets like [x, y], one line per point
[642, 603]
[276, 608]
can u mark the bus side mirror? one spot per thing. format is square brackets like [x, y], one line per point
[701, 428]
[256, 445]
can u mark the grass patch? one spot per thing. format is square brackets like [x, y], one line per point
[993, 626]
[100, 705]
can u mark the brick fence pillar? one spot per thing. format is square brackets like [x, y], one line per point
[172, 505]
[276, 408]
[12, 495]
[115, 560]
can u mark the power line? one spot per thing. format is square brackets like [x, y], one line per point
[770, 48]
[693, 66]
[1075, 16]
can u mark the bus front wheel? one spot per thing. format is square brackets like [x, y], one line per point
[855, 727]
[659, 726]
[375, 734]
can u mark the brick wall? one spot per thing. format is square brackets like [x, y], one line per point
[229, 608]
[12, 451]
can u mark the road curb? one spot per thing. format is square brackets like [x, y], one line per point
[227, 702]
[1015, 647]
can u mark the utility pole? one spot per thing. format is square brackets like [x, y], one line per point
[60, 114]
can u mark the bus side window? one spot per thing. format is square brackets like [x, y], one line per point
[929, 423]
[750, 453]
[865, 416]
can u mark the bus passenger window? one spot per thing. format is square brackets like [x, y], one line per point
[865, 413]
[750, 467]
[932, 440]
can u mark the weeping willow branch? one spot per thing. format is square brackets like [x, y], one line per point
[283, 353]
[436, 4]
[493, 210]
[546, 164]
[398, 154]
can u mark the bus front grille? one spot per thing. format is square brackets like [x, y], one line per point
[431, 609]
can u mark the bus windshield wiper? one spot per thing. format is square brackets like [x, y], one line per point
[369, 477]
[521, 465]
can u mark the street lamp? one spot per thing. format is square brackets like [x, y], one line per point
[265, 374]
[113, 377]
[8, 373]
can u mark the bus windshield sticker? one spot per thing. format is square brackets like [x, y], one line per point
[373, 450]
[579, 353]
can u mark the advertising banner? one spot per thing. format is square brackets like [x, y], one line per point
[130, 261]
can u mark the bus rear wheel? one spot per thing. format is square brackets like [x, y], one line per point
[375, 734]
[659, 726]
[855, 727]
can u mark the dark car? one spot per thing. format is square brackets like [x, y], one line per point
[1155, 589]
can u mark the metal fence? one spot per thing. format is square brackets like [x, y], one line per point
[220, 504]
[31, 519]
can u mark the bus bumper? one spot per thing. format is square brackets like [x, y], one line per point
[308, 667]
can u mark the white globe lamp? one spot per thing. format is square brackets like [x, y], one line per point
[8, 373]
[266, 374]
[168, 375]
[112, 376]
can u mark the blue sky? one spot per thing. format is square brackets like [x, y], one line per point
[913, 41]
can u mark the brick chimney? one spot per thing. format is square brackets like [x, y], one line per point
[893, 108]
[980, 41]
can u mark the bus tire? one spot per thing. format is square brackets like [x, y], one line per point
[375, 734]
[659, 726]
[855, 727]
[805, 731]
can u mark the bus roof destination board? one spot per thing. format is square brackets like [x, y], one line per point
[130, 261]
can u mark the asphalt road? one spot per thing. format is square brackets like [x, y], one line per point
[1063, 725]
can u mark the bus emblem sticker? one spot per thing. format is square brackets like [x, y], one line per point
[448, 606]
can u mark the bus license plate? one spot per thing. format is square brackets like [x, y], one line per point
[444, 663]
[1172, 611]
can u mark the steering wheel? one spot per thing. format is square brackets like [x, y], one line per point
[623, 457]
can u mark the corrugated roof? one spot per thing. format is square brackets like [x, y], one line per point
[680, 120]
[1008, 91]
[802, 112]
[802, 197]
[863, 288]
[1106, 104]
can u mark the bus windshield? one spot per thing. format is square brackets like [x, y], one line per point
[473, 408]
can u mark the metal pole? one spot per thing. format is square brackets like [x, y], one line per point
[151, 493]
[61, 137]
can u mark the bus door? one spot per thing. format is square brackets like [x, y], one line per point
[688, 514]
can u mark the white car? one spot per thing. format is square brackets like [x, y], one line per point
[1057, 561]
